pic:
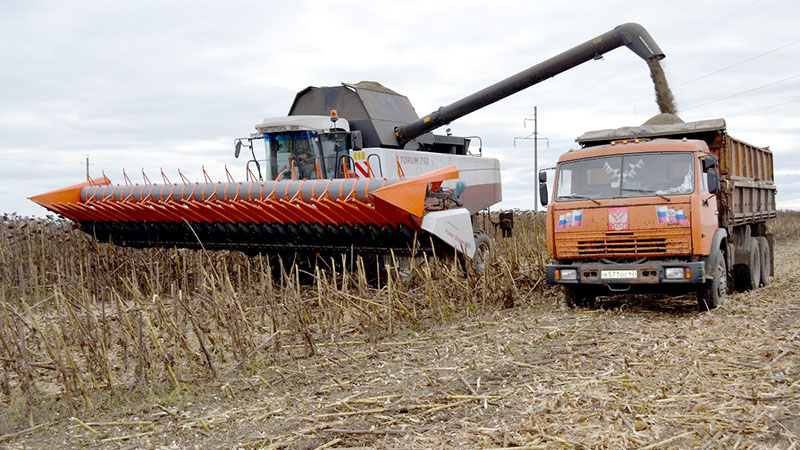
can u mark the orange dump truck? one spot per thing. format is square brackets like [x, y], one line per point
[660, 208]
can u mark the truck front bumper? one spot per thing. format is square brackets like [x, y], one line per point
[648, 273]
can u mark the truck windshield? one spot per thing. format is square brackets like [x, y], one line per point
[298, 147]
[636, 175]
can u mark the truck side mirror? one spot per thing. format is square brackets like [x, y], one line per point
[543, 187]
[709, 162]
[238, 149]
[713, 180]
[543, 193]
[356, 142]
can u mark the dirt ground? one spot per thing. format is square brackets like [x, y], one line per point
[634, 373]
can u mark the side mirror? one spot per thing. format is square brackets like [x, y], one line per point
[713, 180]
[710, 162]
[543, 187]
[238, 149]
[542, 192]
[356, 143]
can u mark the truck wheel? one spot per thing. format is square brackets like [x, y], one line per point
[483, 251]
[579, 296]
[766, 260]
[712, 293]
[748, 276]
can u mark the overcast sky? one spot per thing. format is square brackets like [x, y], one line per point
[170, 84]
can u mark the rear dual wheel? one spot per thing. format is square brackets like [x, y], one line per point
[766, 260]
[748, 276]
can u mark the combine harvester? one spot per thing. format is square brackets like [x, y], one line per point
[352, 169]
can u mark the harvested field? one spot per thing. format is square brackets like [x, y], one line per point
[434, 362]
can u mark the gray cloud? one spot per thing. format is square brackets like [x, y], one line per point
[170, 84]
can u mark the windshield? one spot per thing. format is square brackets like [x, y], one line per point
[636, 175]
[334, 145]
[300, 147]
[308, 150]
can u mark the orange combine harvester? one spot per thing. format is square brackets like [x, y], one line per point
[352, 168]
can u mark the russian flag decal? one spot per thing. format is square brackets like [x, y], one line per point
[571, 219]
[671, 216]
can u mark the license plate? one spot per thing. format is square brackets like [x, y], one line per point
[617, 274]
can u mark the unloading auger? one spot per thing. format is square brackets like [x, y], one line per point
[352, 168]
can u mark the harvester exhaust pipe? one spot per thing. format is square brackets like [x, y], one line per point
[632, 35]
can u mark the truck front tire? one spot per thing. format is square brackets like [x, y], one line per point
[579, 296]
[712, 293]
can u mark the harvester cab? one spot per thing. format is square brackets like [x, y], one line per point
[300, 147]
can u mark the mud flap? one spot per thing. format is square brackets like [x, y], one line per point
[454, 227]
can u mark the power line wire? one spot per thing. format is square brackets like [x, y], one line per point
[587, 85]
[713, 24]
[763, 108]
[741, 93]
[739, 63]
[708, 74]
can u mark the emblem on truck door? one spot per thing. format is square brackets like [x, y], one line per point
[618, 219]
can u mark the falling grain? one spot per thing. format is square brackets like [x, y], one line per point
[664, 97]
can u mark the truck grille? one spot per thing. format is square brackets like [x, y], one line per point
[624, 243]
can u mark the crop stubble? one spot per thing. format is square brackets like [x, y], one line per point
[450, 372]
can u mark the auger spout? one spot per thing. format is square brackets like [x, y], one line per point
[632, 35]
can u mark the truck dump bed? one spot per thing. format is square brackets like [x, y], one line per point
[746, 171]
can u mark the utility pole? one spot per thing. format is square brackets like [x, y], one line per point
[535, 137]
[535, 160]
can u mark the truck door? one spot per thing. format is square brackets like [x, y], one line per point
[709, 214]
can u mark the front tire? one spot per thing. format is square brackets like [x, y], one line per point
[483, 251]
[579, 296]
[714, 291]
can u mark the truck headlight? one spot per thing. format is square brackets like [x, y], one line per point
[569, 274]
[674, 273]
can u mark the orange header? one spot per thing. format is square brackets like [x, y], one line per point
[409, 195]
[70, 194]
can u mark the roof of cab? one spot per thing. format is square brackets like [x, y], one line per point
[636, 146]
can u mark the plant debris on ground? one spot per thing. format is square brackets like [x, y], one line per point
[420, 364]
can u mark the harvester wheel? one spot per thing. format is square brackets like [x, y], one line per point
[766, 260]
[712, 293]
[748, 276]
[579, 296]
[483, 251]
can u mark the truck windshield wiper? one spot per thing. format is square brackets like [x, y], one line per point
[647, 191]
[578, 196]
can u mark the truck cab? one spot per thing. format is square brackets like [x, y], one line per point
[645, 215]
